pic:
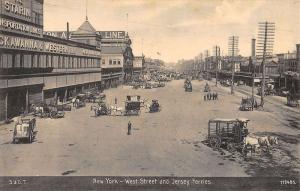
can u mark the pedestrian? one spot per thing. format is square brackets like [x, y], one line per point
[209, 96]
[204, 97]
[129, 128]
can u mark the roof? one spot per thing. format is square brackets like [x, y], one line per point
[229, 120]
[85, 28]
[112, 50]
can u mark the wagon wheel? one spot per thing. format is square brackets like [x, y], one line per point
[215, 142]
[231, 147]
[53, 114]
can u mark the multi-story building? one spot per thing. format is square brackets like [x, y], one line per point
[114, 45]
[37, 68]
[138, 63]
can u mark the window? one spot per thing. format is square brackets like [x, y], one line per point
[103, 62]
[119, 62]
[110, 62]
[115, 62]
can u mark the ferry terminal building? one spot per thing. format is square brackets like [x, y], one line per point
[36, 68]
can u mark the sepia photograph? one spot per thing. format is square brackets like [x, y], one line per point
[149, 95]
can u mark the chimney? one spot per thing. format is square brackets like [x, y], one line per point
[253, 48]
[68, 31]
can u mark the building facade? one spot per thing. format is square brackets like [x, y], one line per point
[38, 68]
[138, 63]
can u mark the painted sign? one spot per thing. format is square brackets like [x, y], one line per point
[20, 9]
[20, 28]
[12, 42]
[112, 34]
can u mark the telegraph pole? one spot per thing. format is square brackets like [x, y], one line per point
[233, 43]
[266, 32]
[251, 61]
[217, 55]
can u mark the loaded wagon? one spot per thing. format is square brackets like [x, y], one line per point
[24, 130]
[228, 133]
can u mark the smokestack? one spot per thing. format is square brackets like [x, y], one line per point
[253, 48]
[68, 31]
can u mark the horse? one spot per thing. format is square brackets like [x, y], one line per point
[116, 109]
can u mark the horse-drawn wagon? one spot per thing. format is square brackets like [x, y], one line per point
[132, 105]
[43, 110]
[206, 88]
[228, 133]
[154, 107]
[24, 130]
[248, 104]
[188, 85]
[101, 109]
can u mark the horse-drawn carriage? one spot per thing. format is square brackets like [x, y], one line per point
[154, 107]
[101, 109]
[132, 105]
[79, 101]
[188, 85]
[24, 130]
[248, 104]
[206, 88]
[43, 110]
[228, 133]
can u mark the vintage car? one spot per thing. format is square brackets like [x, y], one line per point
[24, 130]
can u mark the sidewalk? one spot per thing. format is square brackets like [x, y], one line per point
[243, 90]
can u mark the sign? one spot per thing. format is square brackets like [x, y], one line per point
[11, 42]
[57, 34]
[112, 34]
[19, 9]
[13, 26]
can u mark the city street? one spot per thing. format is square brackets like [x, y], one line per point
[167, 143]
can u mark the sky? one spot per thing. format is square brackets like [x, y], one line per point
[181, 29]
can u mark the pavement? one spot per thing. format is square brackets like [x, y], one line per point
[167, 143]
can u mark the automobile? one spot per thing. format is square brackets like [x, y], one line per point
[24, 130]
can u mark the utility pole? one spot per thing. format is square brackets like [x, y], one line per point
[251, 61]
[266, 33]
[233, 43]
[217, 55]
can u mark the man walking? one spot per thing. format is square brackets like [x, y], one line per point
[129, 128]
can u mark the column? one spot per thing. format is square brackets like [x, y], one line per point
[27, 101]
[66, 95]
[6, 104]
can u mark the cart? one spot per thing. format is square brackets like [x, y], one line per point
[101, 109]
[80, 101]
[248, 103]
[188, 85]
[24, 130]
[206, 88]
[154, 107]
[228, 133]
[132, 105]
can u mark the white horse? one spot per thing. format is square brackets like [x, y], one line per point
[116, 109]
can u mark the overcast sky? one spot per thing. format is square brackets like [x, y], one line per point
[181, 29]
